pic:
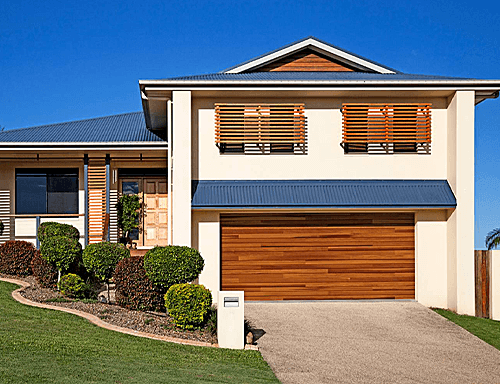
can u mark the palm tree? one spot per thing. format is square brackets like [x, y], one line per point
[493, 239]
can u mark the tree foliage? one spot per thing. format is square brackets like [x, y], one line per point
[493, 239]
[128, 212]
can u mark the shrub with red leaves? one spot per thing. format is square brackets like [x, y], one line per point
[133, 288]
[15, 257]
[45, 274]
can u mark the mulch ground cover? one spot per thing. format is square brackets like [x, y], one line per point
[158, 323]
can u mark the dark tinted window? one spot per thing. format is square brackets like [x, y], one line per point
[46, 191]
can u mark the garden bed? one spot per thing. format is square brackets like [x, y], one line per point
[158, 323]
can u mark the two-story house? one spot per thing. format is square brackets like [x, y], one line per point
[308, 173]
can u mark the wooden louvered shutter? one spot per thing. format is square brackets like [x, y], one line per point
[96, 200]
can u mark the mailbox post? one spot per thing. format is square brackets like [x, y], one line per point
[230, 319]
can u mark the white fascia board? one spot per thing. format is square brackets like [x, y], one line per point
[80, 146]
[310, 42]
[152, 85]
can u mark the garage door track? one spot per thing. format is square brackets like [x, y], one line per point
[369, 342]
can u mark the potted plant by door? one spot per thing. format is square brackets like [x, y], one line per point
[128, 216]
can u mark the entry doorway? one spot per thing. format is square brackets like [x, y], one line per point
[153, 229]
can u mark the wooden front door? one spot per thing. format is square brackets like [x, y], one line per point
[153, 215]
[155, 212]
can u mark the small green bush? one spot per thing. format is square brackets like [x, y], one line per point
[44, 272]
[133, 288]
[51, 228]
[16, 257]
[128, 213]
[188, 304]
[72, 285]
[60, 251]
[101, 258]
[166, 266]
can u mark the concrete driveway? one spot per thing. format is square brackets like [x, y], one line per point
[369, 342]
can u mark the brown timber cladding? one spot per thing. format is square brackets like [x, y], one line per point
[319, 256]
[96, 200]
[305, 61]
[482, 282]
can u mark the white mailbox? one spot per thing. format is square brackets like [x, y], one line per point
[230, 319]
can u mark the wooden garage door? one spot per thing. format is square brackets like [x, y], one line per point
[319, 256]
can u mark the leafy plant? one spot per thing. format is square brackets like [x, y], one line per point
[211, 320]
[128, 213]
[16, 257]
[188, 304]
[166, 266]
[44, 272]
[493, 239]
[101, 259]
[60, 251]
[134, 290]
[72, 285]
[51, 228]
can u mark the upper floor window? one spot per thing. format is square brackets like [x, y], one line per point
[260, 128]
[386, 128]
[40, 191]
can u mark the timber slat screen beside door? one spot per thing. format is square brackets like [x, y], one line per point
[96, 200]
[319, 256]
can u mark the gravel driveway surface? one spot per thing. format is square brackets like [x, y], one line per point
[369, 342]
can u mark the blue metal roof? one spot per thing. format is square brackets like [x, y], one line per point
[239, 194]
[124, 128]
[313, 76]
[304, 39]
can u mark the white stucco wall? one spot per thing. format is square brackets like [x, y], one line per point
[206, 238]
[495, 285]
[431, 258]
[181, 150]
[325, 159]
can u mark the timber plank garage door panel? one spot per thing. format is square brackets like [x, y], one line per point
[319, 256]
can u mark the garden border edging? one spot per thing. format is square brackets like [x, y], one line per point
[95, 320]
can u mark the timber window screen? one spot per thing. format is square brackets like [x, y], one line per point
[386, 128]
[260, 128]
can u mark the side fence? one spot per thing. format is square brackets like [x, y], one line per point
[487, 281]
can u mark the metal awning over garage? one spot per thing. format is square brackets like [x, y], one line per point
[265, 194]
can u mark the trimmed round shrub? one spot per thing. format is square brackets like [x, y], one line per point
[15, 257]
[188, 304]
[101, 258]
[60, 251]
[166, 266]
[72, 285]
[51, 228]
[45, 273]
[133, 288]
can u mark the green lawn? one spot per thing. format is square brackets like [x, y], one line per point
[486, 329]
[46, 346]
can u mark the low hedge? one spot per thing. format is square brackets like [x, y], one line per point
[51, 228]
[101, 258]
[16, 256]
[188, 304]
[45, 274]
[166, 266]
[72, 285]
[133, 288]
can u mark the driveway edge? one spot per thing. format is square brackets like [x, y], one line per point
[16, 294]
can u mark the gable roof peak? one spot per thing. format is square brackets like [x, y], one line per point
[333, 52]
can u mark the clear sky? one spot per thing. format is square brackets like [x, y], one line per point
[61, 62]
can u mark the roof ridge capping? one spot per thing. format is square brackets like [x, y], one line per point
[316, 44]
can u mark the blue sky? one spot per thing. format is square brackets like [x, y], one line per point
[60, 61]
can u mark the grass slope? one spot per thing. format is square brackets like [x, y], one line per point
[486, 329]
[46, 346]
